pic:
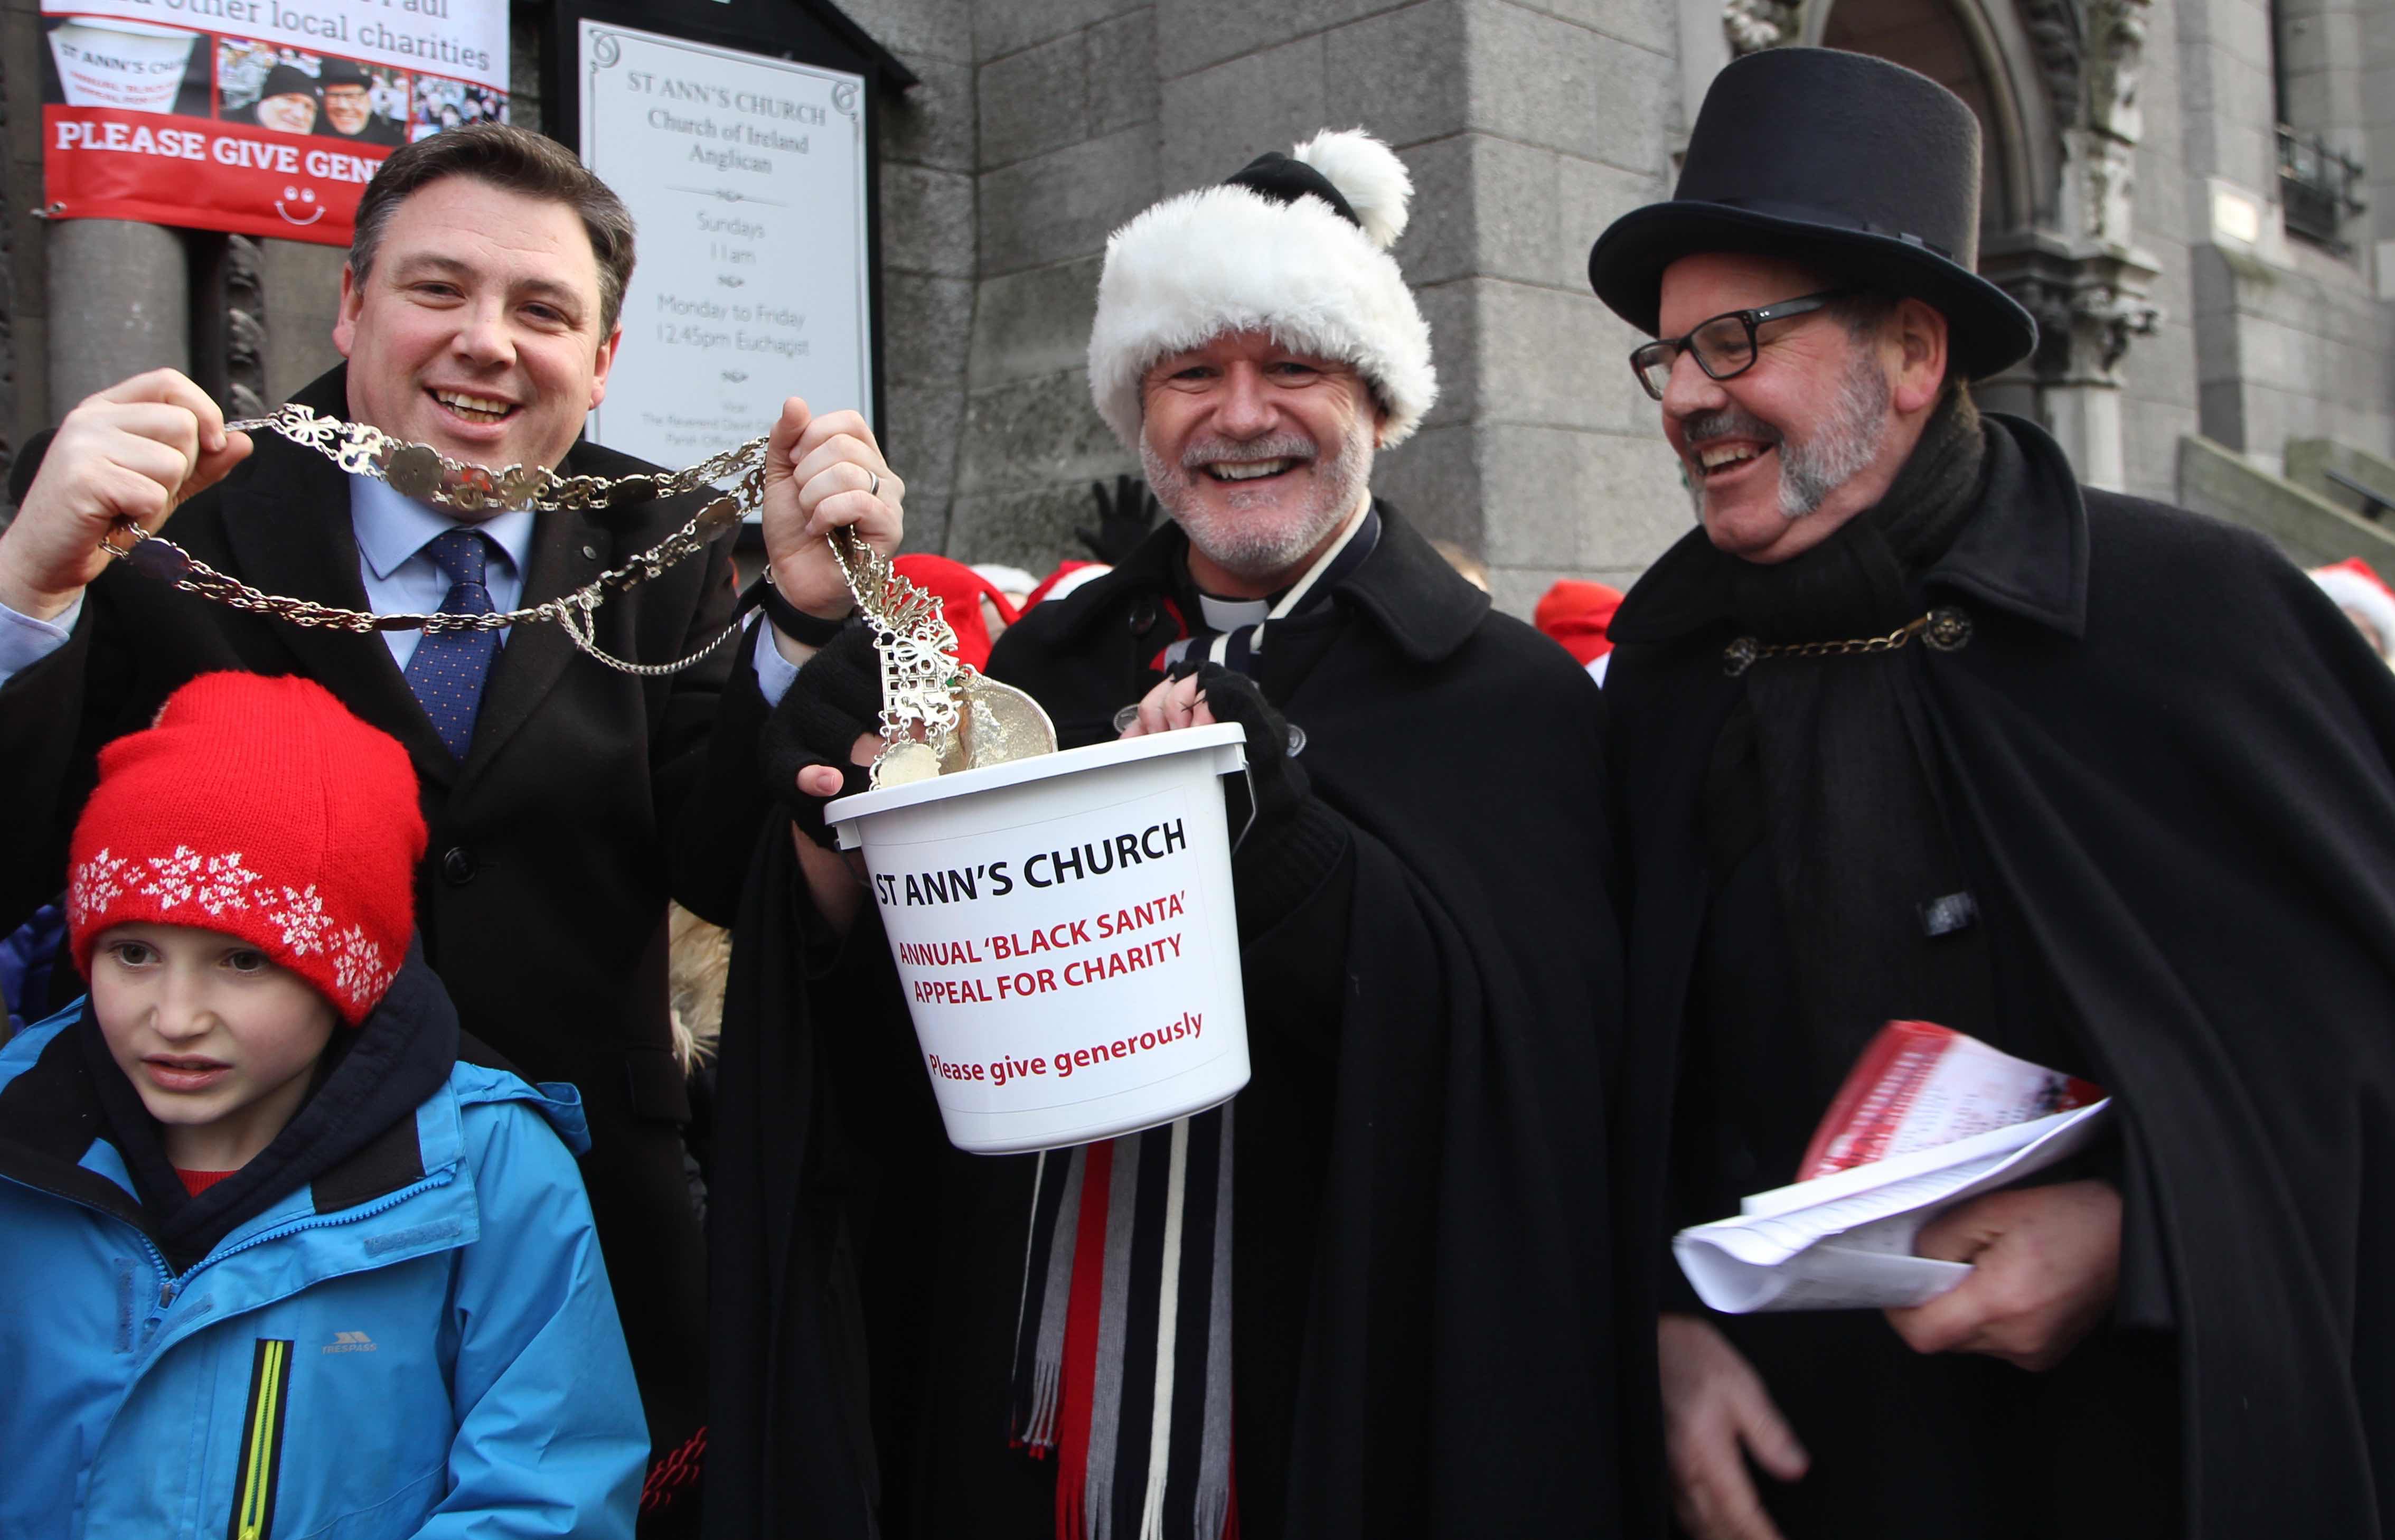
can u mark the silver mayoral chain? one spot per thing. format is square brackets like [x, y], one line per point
[939, 714]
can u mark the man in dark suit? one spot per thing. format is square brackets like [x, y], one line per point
[566, 800]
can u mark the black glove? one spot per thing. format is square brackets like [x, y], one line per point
[1123, 519]
[1296, 842]
[836, 699]
[1280, 782]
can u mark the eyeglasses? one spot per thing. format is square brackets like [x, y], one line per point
[1723, 346]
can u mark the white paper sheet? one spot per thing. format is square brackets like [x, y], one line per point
[1845, 1241]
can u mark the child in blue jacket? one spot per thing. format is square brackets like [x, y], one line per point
[275, 1263]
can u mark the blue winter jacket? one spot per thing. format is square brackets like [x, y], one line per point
[439, 1358]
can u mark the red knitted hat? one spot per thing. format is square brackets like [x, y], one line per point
[259, 808]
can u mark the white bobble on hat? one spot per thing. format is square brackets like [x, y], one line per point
[1369, 174]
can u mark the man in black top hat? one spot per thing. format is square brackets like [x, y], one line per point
[1915, 727]
[348, 107]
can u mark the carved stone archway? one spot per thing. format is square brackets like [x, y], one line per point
[1964, 47]
[2055, 85]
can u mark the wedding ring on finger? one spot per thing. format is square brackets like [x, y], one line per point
[873, 487]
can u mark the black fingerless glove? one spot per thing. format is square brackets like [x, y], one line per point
[1296, 841]
[835, 698]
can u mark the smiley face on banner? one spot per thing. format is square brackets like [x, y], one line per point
[296, 199]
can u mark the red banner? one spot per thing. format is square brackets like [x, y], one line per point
[255, 136]
[103, 163]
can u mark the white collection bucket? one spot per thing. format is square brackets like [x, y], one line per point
[1064, 930]
[134, 66]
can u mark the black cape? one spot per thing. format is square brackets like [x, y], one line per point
[2176, 754]
[1427, 1311]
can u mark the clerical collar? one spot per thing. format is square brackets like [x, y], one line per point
[1233, 629]
[1224, 614]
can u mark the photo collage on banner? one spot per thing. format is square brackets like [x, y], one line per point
[268, 122]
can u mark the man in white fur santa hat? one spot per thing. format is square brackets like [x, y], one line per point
[1375, 1293]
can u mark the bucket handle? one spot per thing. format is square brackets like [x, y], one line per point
[1248, 773]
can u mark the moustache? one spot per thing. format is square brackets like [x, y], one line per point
[1215, 451]
[1727, 422]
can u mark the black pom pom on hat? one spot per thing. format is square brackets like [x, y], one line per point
[1285, 179]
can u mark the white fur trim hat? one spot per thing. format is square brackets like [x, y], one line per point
[1296, 245]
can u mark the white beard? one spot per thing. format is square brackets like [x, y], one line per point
[1257, 538]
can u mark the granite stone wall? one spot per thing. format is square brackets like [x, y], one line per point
[1527, 129]
[929, 238]
[1041, 124]
[2296, 348]
[2378, 61]
[24, 385]
[2293, 340]
[2158, 390]
[1069, 116]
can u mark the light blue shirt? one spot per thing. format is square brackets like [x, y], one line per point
[775, 673]
[392, 531]
[402, 578]
[25, 641]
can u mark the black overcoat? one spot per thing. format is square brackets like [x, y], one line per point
[1426, 1312]
[588, 795]
[2176, 754]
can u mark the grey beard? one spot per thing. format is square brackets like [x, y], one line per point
[1841, 448]
[1253, 549]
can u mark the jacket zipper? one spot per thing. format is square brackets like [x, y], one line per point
[262, 1439]
[324, 1221]
[167, 1291]
[255, 1493]
[176, 1282]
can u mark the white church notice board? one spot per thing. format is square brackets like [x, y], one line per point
[747, 176]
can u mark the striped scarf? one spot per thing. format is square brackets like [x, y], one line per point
[1122, 1344]
[1127, 1339]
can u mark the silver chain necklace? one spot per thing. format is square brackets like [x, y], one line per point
[966, 719]
[420, 472]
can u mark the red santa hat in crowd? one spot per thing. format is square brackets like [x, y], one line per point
[1013, 581]
[1067, 577]
[976, 611]
[1577, 614]
[259, 808]
[2360, 591]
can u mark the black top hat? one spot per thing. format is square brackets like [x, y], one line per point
[1838, 161]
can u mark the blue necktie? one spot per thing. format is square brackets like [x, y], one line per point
[448, 667]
